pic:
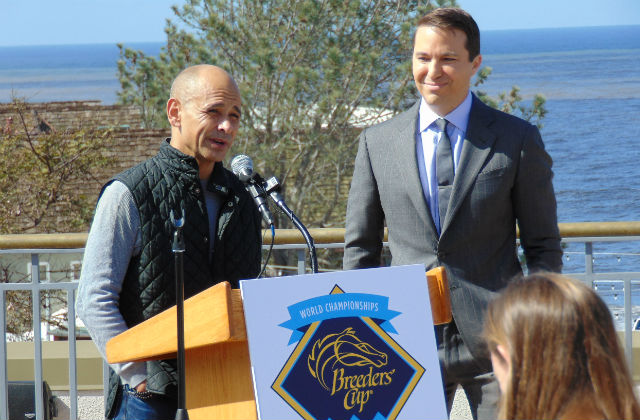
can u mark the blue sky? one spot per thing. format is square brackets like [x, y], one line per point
[44, 22]
[528, 14]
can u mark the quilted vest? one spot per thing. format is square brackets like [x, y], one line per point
[170, 182]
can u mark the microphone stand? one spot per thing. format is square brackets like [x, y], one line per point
[272, 187]
[307, 237]
[178, 249]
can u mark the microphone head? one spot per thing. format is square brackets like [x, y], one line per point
[242, 167]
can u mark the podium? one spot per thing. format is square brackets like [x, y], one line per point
[218, 373]
[217, 368]
[439, 296]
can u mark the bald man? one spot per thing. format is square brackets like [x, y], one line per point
[128, 267]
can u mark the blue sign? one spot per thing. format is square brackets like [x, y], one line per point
[345, 345]
[346, 366]
[341, 305]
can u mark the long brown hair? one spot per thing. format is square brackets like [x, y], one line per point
[563, 350]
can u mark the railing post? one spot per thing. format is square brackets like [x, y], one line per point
[588, 260]
[4, 391]
[301, 261]
[105, 383]
[37, 337]
[628, 335]
[73, 361]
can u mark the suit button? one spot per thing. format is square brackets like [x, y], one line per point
[441, 254]
[197, 190]
[206, 239]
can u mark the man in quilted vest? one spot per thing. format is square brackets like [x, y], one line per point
[128, 268]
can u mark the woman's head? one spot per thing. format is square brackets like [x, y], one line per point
[553, 343]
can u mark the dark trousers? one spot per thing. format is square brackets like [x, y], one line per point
[459, 368]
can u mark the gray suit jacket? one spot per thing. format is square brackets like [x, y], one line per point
[503, 177]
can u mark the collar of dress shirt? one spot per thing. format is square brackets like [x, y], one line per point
[459, 117]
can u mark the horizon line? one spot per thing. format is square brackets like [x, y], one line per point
[115, 43]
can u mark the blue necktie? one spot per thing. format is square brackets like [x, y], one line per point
[444, 169]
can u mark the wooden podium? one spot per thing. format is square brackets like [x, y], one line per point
[439, 296]
[218, 375]
[217, 369]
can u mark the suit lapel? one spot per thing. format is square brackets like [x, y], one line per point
[408, 163]
[476, 147]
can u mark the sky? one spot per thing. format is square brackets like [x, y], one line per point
[530, 14]
[46, 22]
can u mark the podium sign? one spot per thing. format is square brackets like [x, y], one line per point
[349, 345]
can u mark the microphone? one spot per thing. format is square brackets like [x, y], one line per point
[272, 187]
[242, 167]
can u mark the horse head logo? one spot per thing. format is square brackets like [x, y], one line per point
[342, 349]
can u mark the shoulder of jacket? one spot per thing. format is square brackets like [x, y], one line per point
[398, 122]
[510, 121]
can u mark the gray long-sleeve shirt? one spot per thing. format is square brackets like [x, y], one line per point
[113, 239]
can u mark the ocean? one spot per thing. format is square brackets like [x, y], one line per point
[591, 80]
[63, 72]
[589, 76]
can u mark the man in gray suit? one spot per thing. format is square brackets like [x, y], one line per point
[451, 177]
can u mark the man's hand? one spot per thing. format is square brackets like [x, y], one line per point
[142, 387]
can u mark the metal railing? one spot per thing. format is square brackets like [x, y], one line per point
[285, 239]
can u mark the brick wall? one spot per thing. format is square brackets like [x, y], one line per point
[130, 148]
[75, 114]
[132, 143]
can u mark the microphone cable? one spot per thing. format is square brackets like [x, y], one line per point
[266, 260]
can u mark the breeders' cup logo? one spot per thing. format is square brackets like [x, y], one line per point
[345, 365]
[344, 349]
[337, 351]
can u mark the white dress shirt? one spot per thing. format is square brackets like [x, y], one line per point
[427, 141]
